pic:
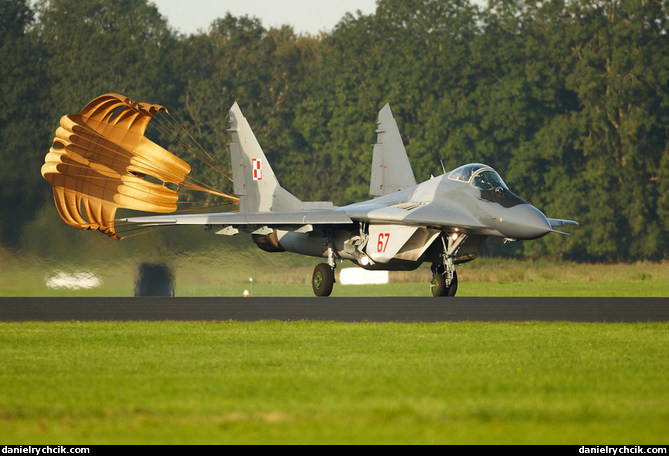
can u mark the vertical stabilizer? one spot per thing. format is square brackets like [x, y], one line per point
[391, 170]
[254, 181]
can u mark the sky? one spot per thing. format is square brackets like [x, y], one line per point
[306, 16]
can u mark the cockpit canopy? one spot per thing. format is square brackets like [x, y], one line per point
[477, 175]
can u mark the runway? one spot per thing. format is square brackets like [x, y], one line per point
[359, 309]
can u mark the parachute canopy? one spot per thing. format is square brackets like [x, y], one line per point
[101, 161]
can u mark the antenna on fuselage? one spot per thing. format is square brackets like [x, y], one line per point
[442, 165]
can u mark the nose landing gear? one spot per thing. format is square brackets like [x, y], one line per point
[439, 288]
[444, 278]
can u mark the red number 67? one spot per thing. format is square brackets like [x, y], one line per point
[383, 242]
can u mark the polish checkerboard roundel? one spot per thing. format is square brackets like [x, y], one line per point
[257, 169]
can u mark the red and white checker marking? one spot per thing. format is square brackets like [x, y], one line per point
[257, 169]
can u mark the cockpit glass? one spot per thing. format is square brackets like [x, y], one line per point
[464, 173]
[477, 175]
[487, 179]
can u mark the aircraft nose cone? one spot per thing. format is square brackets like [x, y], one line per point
[524, 222]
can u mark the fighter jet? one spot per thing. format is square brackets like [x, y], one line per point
[443, 221]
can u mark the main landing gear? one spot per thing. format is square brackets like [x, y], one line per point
[323, 278]
[444, 278]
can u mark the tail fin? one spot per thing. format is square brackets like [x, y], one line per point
[254, 181]
[391, 170]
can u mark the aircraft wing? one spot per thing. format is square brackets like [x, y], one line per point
[286, 219]
[380, 214]
[402, 213]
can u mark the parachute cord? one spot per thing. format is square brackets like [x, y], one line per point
[199, 208]
[172, 120]
[189, 143]
[141, 233]
[202, 187]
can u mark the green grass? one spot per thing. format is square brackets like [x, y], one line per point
[219, 273]
[323, 382]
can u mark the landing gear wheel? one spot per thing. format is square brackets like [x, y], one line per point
[439, 288]
[438, 285]
[323, 279]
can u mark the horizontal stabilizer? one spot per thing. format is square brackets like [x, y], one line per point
[560, 222]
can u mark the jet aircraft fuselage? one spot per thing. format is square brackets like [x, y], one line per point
[443, 221]
[474, 195]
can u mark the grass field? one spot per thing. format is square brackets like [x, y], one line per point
[220, 273]
[323, 382]
[340, 383]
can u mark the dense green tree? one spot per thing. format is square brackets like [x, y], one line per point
[96, 46]
[408, 54]
[22, 129]
[238, 60]
[567, 99]
[541, 145]
[619, 75]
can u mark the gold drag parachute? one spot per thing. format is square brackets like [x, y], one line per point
[101, 161]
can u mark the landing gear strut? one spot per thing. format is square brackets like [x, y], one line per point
[444, 278]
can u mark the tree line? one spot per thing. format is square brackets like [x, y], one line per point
[567, 99]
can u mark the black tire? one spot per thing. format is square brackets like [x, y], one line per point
[454, 285]
[322, 280]
[438, 285]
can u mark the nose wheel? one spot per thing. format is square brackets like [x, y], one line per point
[439, 288]
[323, 279]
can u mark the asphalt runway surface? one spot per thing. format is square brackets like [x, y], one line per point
[358, 309]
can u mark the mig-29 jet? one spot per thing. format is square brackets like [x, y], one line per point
[443, 221]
